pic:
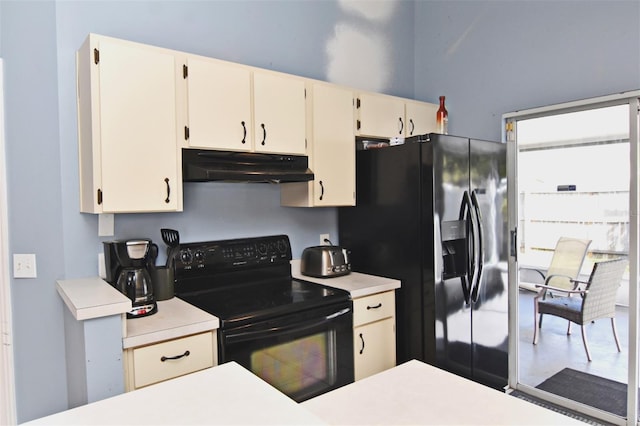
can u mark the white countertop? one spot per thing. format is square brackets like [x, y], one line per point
[419, 394]
[224, 395]
[175, 318]
[357, 284]
[92, 297]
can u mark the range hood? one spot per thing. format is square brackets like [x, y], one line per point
[200, 165]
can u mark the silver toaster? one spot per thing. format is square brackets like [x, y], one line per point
[325, 261]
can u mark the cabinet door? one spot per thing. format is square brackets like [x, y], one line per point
[279, 113]
[219, 105]
[332, 153]
[421, 118]
[374, 347]
[380, 116]
[137, 115]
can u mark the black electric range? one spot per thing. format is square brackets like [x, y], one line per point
[246, 280]
[295, 335]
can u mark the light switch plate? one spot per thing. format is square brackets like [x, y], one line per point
[24, 266]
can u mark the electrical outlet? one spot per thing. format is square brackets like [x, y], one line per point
[24, 266]
[325, 240]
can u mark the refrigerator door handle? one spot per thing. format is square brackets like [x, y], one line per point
[479, 248]
[466, 280]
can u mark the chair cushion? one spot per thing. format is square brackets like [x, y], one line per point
[565, 307]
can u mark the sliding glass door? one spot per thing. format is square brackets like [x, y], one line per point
[572, 174]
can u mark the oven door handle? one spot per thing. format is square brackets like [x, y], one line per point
[234, 337]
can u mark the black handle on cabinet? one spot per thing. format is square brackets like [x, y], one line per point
[321, 190]
[244, 133]
[413, 127]
[264, 133]
[401, 125]
[167, 358]
[166, 181]
[379, 305]
[362, 348]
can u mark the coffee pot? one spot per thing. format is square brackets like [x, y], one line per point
[128, 263]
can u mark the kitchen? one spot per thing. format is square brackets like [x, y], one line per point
[425, 54]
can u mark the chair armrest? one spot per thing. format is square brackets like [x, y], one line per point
[548, 287]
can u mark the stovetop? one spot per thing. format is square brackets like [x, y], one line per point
[246, 280]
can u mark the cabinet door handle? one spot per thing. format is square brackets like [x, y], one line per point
[264, 133]
[413, 127]
[166, 181]
[167, 358]
[244, 133]
[321, 190]
[362, 340]
[379, 305]
[401, 125]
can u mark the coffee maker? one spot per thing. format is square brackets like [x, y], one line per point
[127, 265]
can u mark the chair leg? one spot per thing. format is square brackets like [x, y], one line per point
[568, 327]
[615, 333]
[584, 340]
[535, 317]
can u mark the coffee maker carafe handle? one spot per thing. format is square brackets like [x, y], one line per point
[131, 285]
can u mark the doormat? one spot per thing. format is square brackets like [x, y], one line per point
[598, 392]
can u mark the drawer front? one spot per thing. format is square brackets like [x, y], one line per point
[149, 366]
[373, 308]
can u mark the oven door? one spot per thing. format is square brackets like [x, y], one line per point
[302, 354]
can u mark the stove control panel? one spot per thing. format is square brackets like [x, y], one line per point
[241, 253]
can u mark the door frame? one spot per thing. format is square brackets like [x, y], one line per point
[509, 127]
[7, 378]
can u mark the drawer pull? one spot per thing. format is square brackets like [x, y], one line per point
[166, 358]
[362, 348]
[379, 305]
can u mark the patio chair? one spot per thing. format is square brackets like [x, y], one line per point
[598, 300]
[566, 263]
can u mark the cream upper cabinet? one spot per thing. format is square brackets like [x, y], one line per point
[331, 152]
[380, 115]
[279, 113]
[128, 148]
[218, 105]
[420, 118]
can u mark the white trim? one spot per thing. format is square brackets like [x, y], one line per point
[632, 98]
[624, 96]
[7, 378]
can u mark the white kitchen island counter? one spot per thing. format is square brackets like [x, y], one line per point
[224, 395]
[415, 393]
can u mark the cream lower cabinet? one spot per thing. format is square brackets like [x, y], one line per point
[157, 362]
[128, 138]
[374, 334]
[331, 152]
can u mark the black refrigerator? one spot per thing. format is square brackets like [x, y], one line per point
[432, 212]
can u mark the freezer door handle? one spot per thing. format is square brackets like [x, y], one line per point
[466, 280]
[479, 247]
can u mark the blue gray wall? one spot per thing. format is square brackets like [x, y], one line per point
[493, 57]
[487, 57]
[369, 48]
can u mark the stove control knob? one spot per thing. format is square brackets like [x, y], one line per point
[199, 256]
[282, 246]
[186, 257]
[262, 248]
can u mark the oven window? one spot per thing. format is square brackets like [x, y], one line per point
[297, 365]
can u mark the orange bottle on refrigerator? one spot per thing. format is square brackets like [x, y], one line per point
[442, 118]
